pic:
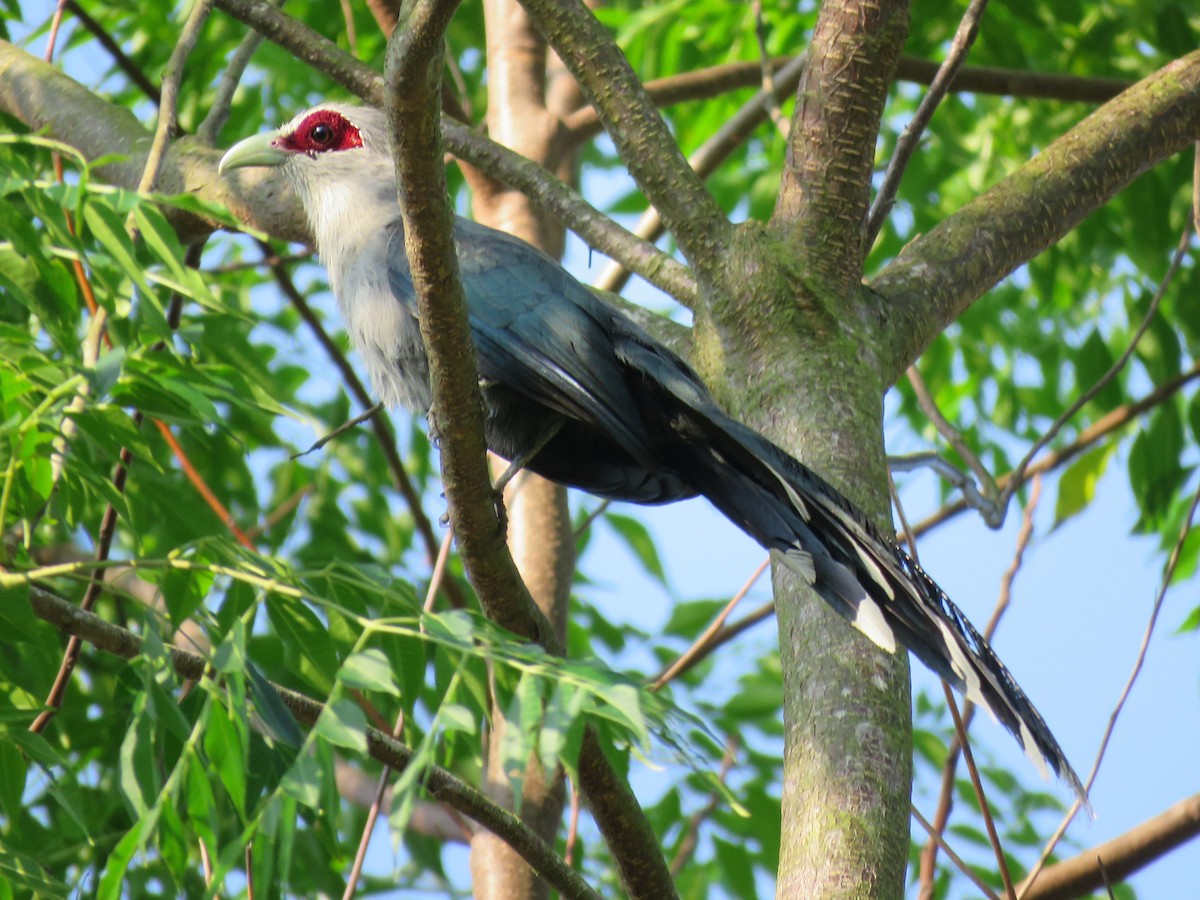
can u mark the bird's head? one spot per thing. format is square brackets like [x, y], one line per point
[336, 157]
[328, 137]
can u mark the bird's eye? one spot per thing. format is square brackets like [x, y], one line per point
[321, 134]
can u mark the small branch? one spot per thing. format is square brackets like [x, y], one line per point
[704, 644]
[960, 727]
[713, 81]
[632, 121]
[218, 113]
[441, 784]
[992, 514]
[1168, 574]
[977, 783]
[172, 77]
[768, 72]
[1094, 433]
[1108, 376]
[954, 857]
[691, 835]
[941, 816]
[906, 146]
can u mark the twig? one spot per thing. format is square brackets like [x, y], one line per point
[954, 437]
[964, 37]
[960, 728]
[768, 73]
[971, 494]
[712, 81]
[977, 783]
[218, 113]
[954, 857]
[172, 76]
[124, 63]
[703, 645]
[348, 425]
[1097, 431]
[928, 863]
[1168, 574]
[1108, 376]
[691, 835]
[590, 518]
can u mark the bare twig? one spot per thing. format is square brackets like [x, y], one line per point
[1092, 434]
[1168, 574]
[768, 72]
[704, 644]
[964, 37]
[172, 77]
[954, 857]
[941, 816]
[971, 494]
[960, 728]
[131, 69]
[218, 113]
[954, 437]
[691, 834]
[977, 784]
[1108, 376]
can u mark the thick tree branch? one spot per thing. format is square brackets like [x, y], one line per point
[441, 784]
[1121, 856]
[941, 273]
[642, 138]
[826, 181]
[414, 64]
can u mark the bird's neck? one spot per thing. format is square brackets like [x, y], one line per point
[348, 215]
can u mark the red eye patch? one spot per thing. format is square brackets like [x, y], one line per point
[320, 132]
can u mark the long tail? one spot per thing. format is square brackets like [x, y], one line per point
[864, 576]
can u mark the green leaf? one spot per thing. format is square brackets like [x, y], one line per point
[307, 641]
[303, 781]
[637, 539]
[1077, 487]
[342, 723]
[369, 670]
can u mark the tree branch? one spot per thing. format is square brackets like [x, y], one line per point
[414, 64]
[941, 273]
[1097, 431]
[825, 188]
[1121, 856]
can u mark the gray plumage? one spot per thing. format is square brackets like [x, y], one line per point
[634, 422]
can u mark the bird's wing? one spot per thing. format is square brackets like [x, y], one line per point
[537, 330]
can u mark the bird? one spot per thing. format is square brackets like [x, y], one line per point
[580, 394]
